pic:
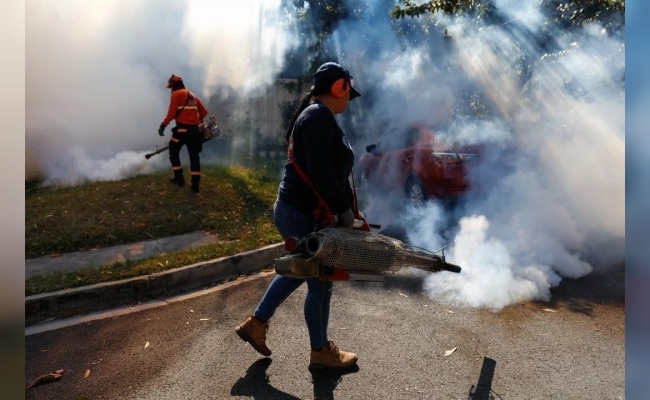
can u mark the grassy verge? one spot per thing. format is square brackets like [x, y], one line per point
[235, 203]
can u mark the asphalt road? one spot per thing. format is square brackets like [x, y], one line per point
[570, 348]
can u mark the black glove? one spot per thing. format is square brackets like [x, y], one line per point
[161, 130]
[346, 218]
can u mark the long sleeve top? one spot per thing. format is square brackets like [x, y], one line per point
[192, 110]
[323, 152]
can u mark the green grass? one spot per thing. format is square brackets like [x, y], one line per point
[235, 202]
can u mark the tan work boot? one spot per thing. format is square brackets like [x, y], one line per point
[254, 332]
[330, 357]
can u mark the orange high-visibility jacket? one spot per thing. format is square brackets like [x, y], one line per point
[192, 110]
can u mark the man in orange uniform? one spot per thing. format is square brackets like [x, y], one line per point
[188, 111]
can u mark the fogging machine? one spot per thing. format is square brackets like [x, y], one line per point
[209, 130]
[346, 254]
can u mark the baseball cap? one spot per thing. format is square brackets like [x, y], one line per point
[329, 73]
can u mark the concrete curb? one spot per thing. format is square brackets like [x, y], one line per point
[120, 253]
[103, 296]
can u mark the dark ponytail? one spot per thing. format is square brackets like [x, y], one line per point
[304, 102]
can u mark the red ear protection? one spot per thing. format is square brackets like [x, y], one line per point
[340, 88]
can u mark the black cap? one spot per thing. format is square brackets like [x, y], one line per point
[329, 73]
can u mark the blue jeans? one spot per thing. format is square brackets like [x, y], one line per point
[291, 222]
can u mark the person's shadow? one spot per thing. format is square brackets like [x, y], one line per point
[256, 383]
[325, 382]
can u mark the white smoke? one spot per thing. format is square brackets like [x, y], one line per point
[96, 74]
[552, 201]
[561, 212]
[492, 275]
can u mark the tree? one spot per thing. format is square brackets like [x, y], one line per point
[411, 9]
[316, 20]
[579, 12]
[563, 12]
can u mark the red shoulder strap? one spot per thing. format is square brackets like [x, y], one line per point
[322, 213]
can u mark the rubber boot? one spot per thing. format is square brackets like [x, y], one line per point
[254, 332]
[330, 357]
[195, 183]
[178, 178]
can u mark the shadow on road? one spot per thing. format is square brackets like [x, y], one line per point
[256, 383]
[483, 388]
[580, 295]
[325, 382]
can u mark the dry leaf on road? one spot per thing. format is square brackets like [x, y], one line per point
[146, 345]
[449, 352]
[49, 377]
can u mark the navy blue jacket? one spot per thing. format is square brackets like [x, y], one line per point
[323, 152]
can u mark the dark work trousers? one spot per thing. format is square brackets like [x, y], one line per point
[189, 136]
